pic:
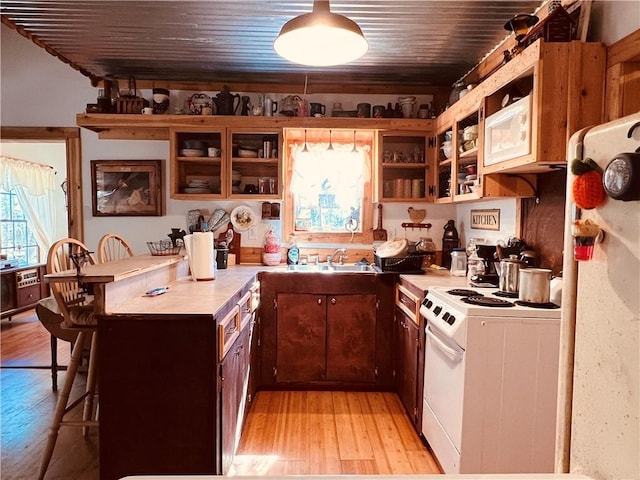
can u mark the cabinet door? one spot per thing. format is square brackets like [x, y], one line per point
[194, 174]
[351, 338]
[255, 163]
[301, 337]
[406, 337]
[402, 173]
[233, 371]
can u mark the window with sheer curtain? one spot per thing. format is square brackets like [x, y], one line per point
[329, 186]
[31, 185]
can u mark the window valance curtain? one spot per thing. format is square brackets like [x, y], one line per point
[345, 168]
[33, 184]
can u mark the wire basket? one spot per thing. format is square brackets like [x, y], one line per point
[164, 247]
[410, 264]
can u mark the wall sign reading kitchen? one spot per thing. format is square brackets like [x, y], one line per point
[485, 219]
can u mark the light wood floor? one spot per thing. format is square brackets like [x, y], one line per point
[285, 432]
[305, 433]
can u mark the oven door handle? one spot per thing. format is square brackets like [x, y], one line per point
[455, 354]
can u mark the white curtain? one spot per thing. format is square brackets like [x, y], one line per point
[347, 169]
[33, 184]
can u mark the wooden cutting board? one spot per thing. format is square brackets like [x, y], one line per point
[379, 234]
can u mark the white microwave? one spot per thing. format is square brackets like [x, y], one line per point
[507, 133]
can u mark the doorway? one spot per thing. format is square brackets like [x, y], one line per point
[71, 179]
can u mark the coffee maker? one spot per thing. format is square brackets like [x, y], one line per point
[488, 255]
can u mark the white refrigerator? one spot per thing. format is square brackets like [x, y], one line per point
[598, 409]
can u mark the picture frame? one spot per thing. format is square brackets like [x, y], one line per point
[126, 188]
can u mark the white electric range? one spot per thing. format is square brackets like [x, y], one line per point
[490, 381]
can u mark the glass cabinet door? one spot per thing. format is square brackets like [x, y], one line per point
[197, 166]
[255, 167]
[402, 166]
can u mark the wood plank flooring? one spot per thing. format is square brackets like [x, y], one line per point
[315, 432]
[285, 432]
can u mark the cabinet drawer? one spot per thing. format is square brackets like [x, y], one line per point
[28, 295]
[409, 303]
[254, 301]
[228, 331]
[244, 306]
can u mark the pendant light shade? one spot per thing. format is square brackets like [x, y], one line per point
[321, 38]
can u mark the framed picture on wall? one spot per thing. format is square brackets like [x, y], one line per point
[126, 188]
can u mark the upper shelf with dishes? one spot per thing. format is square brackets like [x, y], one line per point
[208, 163]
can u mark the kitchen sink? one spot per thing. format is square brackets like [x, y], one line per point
[336, 268]
[308, 268]
[354, 267]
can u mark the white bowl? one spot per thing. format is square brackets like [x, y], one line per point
[247, 154]
[447, 150]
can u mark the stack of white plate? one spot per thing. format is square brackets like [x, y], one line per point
[197, 186]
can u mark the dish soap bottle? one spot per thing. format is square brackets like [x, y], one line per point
[293, 254]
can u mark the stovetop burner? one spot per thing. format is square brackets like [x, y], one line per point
[464, 292]
[506, 294]
[487, 301]
[547, 305]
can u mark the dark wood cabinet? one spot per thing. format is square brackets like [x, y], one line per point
[409, 348]
[301, 337]
[406, 334]
[335, 332]
[22, 287]
[351, 338]
[174, 390]
[326, 330]
[234, 371]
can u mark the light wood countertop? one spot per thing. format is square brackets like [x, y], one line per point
[117, 270]
[186, 296]
[435, 278]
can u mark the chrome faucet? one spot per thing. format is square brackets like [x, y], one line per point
[342, 252]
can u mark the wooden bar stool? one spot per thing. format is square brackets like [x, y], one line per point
[113, 247]
[77, 312]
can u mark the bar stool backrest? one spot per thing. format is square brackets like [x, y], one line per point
[113, 247]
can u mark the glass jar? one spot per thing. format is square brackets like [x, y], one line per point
[458, 262]
[271, 253]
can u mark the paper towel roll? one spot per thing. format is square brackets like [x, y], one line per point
[201, 255]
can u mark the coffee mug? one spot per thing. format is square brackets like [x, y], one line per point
[378, 111]
[317, 109]
[214, 152]
[364, 110]
[147, 111]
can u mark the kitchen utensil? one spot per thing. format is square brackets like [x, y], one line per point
[531, 258]
[555, 289]
[379, 234]
[226, 103]
[192, 219]
[534, 285]
[509, 274]
[216, 218]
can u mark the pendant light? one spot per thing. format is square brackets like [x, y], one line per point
[354, 143]
[330, 147]
[305, 149]
[321, 38]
